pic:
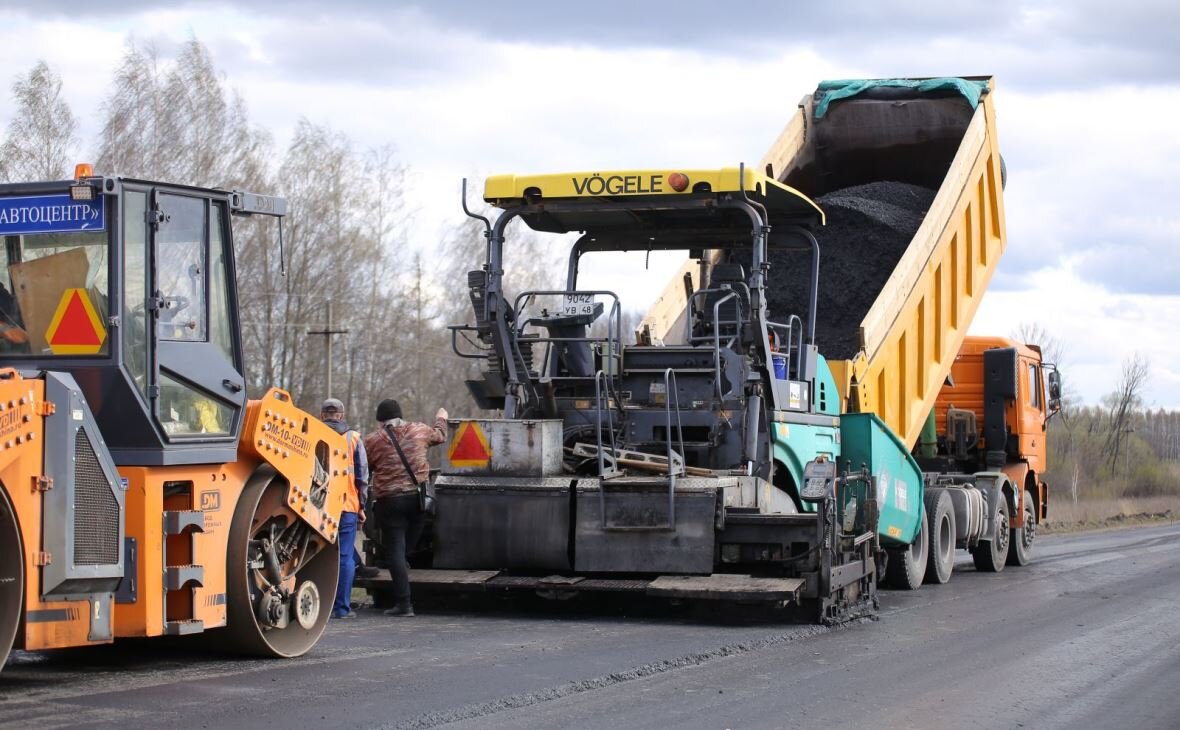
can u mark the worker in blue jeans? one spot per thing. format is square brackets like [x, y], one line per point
[353, 514]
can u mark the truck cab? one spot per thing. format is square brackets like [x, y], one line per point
[981, 415]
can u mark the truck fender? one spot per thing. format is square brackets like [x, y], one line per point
[1017, 473]
[995, 485]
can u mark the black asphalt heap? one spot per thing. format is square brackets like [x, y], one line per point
[868, 228]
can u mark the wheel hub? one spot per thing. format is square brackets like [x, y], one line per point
[1002, 535]
[307, 604]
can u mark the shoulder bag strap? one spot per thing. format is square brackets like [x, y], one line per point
[402, 454]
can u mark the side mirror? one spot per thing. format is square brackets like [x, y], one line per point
[1054, 382]
[1054, 385]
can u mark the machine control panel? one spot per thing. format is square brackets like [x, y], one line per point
[818, 478]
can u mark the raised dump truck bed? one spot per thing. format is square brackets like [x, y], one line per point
[936, 135]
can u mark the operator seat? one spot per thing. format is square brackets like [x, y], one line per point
[724, 279]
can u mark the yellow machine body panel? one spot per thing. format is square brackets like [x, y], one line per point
[511, 190]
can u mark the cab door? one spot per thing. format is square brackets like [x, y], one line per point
[1031, 413]
[198, 392]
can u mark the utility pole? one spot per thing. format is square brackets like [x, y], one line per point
[327, 332]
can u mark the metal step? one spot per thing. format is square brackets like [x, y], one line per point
[742, 517]
[177, 576]
[183, 628]
[717, 587]
[726, 587]
[177, 521]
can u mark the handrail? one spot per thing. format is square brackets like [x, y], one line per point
[794, 341]
[456, 329]
[672, 390]
[716, 349]
[614, 334]
[733, 290]
[798, 333]
[599, 378]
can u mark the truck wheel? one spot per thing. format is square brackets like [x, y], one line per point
[990, 555]
[941, 527]
[1022, 537]
[12, 577]
[906, 568]
[309, 573]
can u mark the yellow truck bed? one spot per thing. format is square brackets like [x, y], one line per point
[911, 333]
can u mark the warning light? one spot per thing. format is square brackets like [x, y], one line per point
[469, 447]
[82, 192]
[76, 328]
[678, 181]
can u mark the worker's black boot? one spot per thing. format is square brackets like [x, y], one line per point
[403, 608]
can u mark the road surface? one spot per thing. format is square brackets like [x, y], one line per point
[1086, 636]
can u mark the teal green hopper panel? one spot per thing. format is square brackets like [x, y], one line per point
[795, 444]
[866, 440]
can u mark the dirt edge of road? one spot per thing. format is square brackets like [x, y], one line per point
[1119, 520]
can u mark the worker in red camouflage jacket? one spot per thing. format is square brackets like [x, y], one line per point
[394, 490]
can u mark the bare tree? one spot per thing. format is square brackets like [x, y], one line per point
[1123, 404]
[180, 123]
[344, 229]
[43, 132]
[1052, 348]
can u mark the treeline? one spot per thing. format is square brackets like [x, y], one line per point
[346, 239]
[1116, 449]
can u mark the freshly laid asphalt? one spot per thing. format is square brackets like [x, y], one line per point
[1086, 636]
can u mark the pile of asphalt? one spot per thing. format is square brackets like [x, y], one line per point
[868, 228]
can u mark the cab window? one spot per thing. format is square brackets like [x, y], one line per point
[1034, 385]
[54, 285]
[185, 411]
[180, 270]
[135, 286]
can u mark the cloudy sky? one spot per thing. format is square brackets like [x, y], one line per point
[1088, 100]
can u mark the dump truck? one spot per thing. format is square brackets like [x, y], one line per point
[141, 493]
[728, 454]
[910, 171]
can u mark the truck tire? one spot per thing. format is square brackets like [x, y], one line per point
[907, 567]
[940, 518]
[990, 555]
[1020, 553]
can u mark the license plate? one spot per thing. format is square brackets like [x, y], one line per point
[577, 304]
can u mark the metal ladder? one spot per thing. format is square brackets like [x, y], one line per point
[675, 466]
